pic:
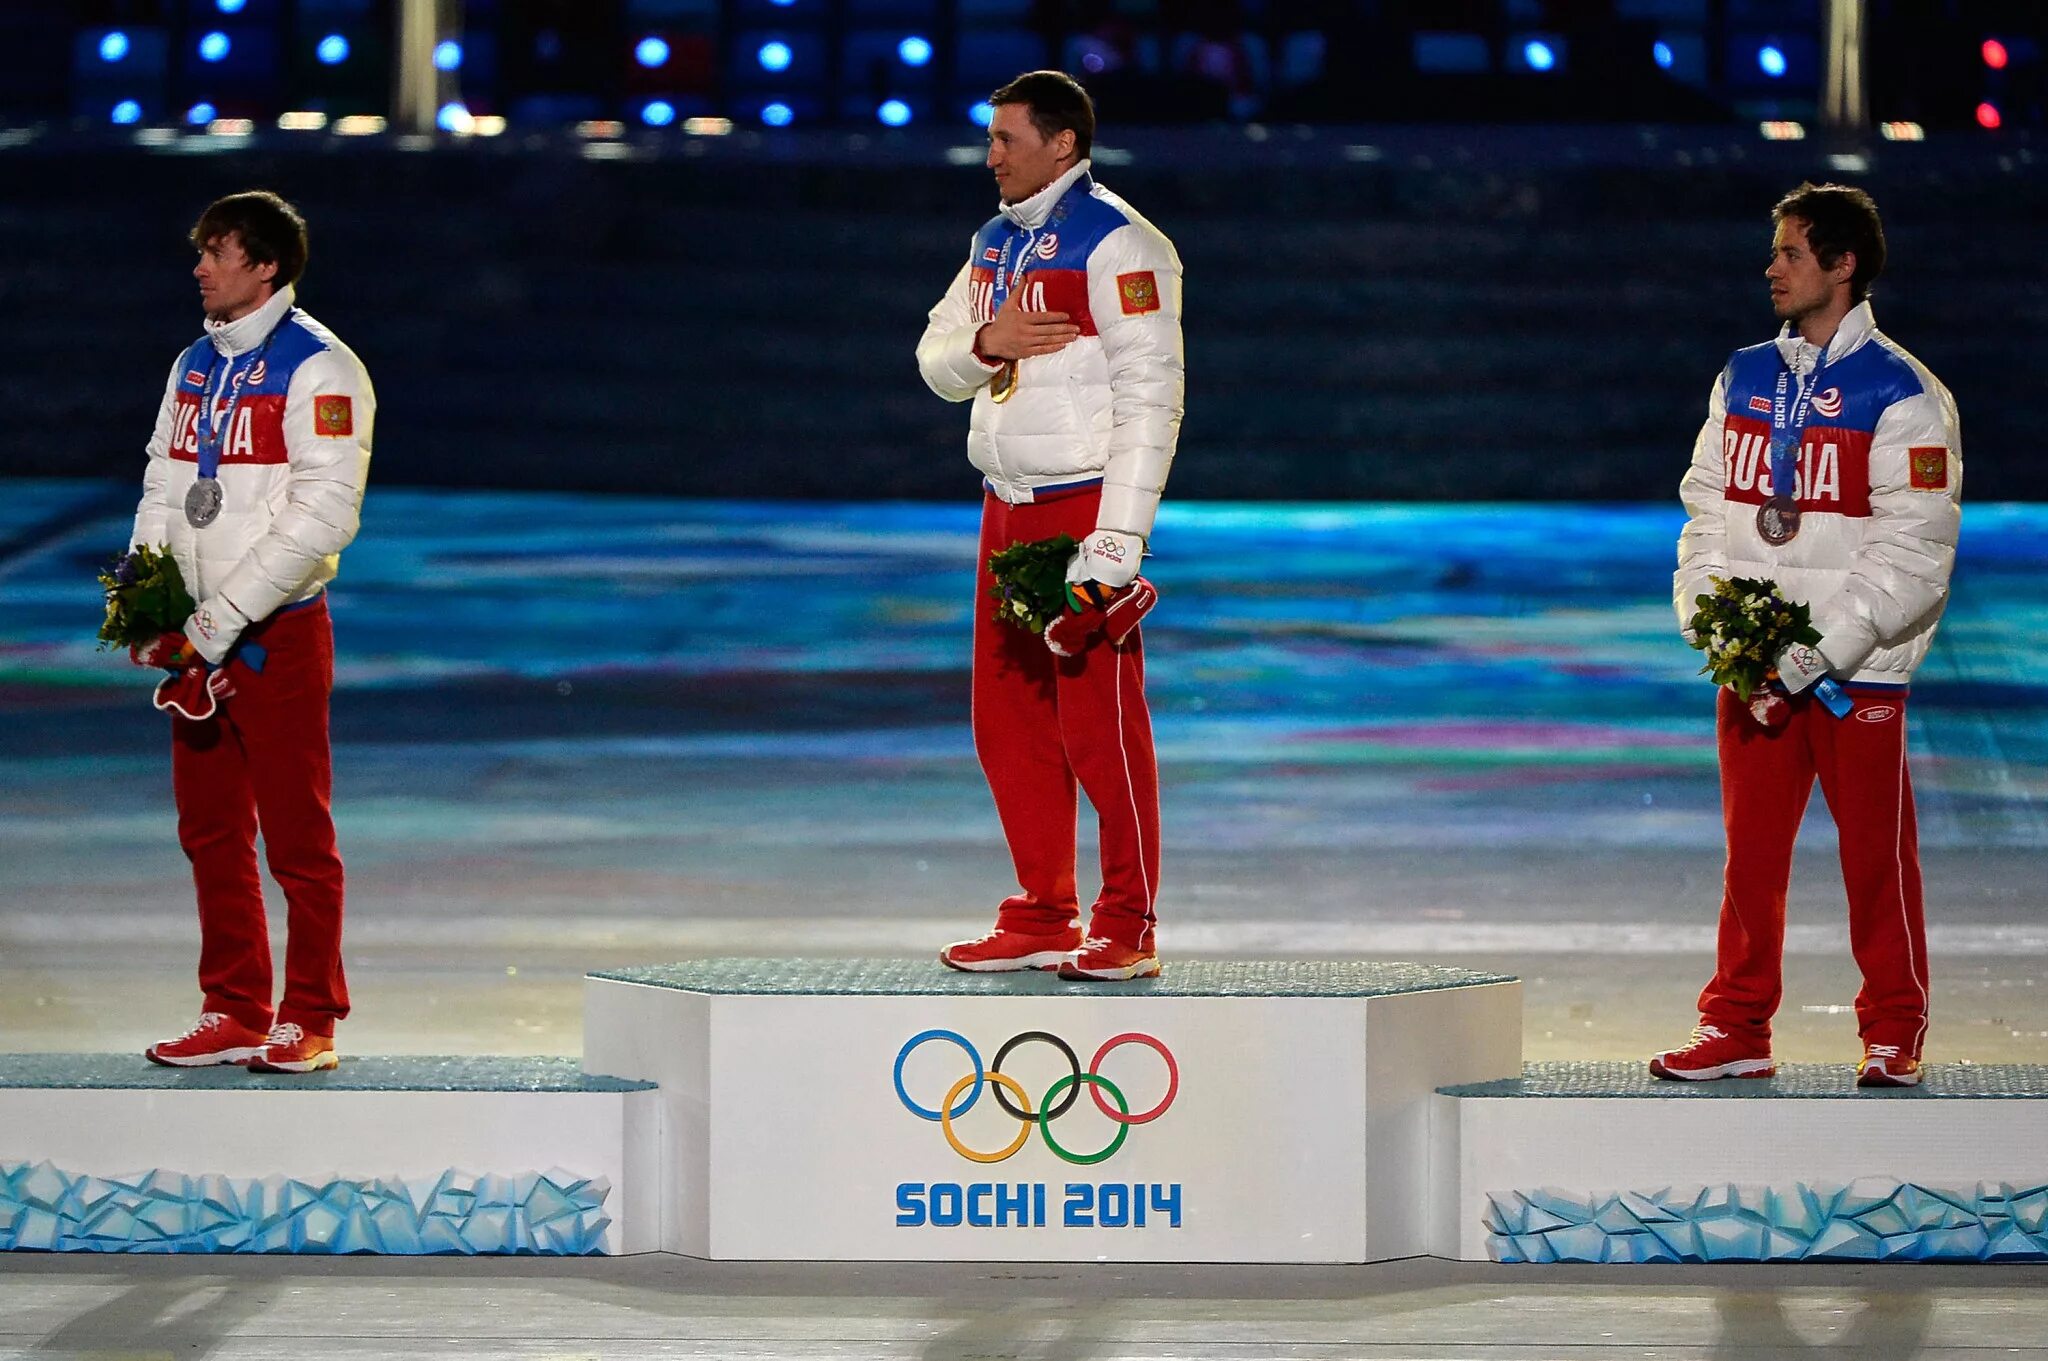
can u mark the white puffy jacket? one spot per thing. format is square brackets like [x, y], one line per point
[292, 470]
[1107, 407]
[1879, 486]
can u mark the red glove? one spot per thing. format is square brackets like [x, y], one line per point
[195, 692]
[170, 652]
[1099, 611]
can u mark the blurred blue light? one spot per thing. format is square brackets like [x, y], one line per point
[914, 51]
[778, 115]
[230, 6]
[981, 113]
[201, 113]
[774, 56]
[784, 3]
[127, 111]
[651, 52]
[448, 55]
[114, 46]
[454, 117]
[1770, 61]
[1539, 55]
[894, 112]
[657, 113]
[333, 50]
[1663, 55]
[214, 46]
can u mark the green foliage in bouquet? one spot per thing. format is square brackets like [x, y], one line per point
[146, 598]
[1743, 627]
[1031, 582]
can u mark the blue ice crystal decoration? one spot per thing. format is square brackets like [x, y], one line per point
[1868, 1220]
[556, 1214]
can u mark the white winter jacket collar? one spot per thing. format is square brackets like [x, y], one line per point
[246, 333]
[1031, 213]
[1802, 356]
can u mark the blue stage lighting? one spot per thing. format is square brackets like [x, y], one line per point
[785, 4]
[127, 111]
[230, 6]
[778, 115]
[214, 46]
[774, 56]
[448, 55]
[651, 52]
[454, 117]
[114, 46]
[657, 113]
[914, 51]
[1770, 61]
[981, 113]
[333, 50]
[200, 114]
[894, 112]
[1663, 55]
[1539, 54]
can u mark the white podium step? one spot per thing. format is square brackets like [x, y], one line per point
[106, 1153]
[883, 1109]
[1599, 1162]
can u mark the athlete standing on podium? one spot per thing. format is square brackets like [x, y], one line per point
[1063, 329]
[1830, 464]
[255, 484]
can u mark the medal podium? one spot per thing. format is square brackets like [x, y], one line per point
[843, 1110]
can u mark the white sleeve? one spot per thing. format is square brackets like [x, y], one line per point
[1902, 569]
[329, 412]
[945, 353]
[152, 515]
[1134, 293]
[1703, 543]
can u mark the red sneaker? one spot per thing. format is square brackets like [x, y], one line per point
[216, 1039]
[1103, 960]
[1006, 951]
[289, 1049]
[1884, 1066]
[1712, 1053]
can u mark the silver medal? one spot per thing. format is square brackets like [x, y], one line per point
[202, 502]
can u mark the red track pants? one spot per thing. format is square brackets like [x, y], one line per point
[1766, 778]
[1043, 722]
[262, 761]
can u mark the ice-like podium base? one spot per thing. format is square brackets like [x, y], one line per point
[105, 1153]
[882, 1109]
[1598, 1162]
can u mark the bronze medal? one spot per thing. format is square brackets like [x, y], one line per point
[1777, 521]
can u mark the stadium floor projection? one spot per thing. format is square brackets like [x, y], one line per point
[577, 731]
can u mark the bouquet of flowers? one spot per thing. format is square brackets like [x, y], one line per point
[146, 598]
[1031, 582]
[1744, 627]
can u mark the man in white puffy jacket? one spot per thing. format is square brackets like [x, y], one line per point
[254, 484]
[1831, 464]
[1063, 329]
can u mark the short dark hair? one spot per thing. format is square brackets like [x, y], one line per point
[1058, 104]
[1838, 218]
[271, 230]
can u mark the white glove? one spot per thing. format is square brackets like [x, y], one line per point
[1800, 666]
[214, 627]
[1107, 556]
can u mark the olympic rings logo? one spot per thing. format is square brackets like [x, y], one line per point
[1057, 1101]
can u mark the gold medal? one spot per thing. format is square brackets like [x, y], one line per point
[1003, 386]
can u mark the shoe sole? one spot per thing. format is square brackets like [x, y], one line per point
[1886, 1080]
[1739, 1068]
[1144, 968]
[1043, 959]
[328, 1060]
[221, 1059]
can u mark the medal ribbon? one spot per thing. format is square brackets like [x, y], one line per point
[1788, 431]
[211, 427]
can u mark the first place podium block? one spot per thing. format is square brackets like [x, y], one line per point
[888, 1110]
